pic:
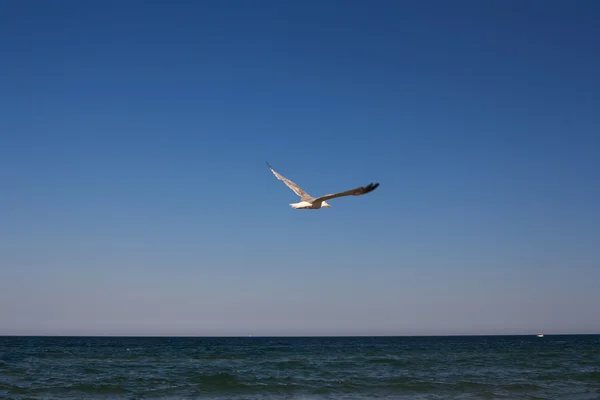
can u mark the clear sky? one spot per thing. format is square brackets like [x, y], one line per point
[135, 198]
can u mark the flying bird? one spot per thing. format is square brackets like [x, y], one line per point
[313, 203]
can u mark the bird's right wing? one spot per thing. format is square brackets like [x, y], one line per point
[297, 189]
[352, 192]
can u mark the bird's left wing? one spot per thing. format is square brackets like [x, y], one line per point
[297, 189]
[352, 192]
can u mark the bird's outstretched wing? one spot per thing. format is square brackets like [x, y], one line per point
[297, 189]
[352, 192]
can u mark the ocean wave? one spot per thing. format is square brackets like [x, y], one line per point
[100, 388]
[215, 381]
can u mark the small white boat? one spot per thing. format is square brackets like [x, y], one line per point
[540, 335]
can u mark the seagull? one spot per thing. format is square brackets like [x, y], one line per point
[314, 203]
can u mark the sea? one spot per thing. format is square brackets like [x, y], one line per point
[452, 367]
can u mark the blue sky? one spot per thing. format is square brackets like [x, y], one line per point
[136, 199]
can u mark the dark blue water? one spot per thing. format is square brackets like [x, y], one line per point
[493, 367]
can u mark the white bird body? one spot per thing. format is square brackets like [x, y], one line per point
[314, 203]
[306, 204]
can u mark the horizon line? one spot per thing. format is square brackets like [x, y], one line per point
[296, 336]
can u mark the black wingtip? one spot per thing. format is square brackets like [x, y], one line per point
[371, 186]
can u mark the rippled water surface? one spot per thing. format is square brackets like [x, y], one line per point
[492, 367]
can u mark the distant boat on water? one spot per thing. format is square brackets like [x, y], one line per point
[540, 335]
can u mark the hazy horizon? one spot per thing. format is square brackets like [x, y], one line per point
[136, 199]
[306, 336]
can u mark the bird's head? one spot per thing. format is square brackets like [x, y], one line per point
[325, 204]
